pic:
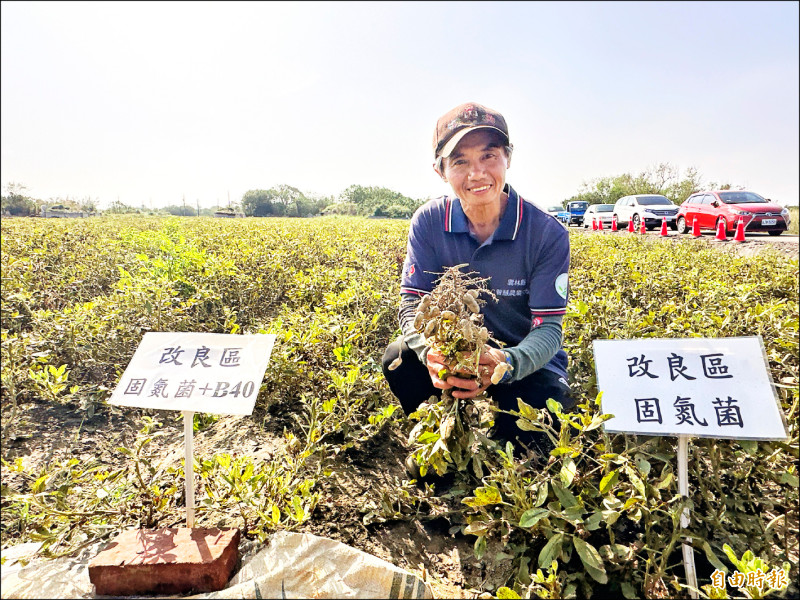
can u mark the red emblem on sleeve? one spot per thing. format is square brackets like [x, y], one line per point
[536, 322]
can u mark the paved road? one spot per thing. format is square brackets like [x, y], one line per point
[761, 237]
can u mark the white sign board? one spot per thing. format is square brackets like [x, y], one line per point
[703, 387]
[198, 372]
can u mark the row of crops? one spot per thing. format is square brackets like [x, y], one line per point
[599, 516]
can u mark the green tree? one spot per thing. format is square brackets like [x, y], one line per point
[180, 210]
[15, 202]
[379, 201]
[282, 200]
[257, 203]
[120, 208]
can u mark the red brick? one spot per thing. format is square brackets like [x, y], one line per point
[165, 561]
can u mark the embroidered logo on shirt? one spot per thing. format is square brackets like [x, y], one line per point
[411, 270]
[562, 283]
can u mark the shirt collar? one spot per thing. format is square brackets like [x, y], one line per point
[455, 221]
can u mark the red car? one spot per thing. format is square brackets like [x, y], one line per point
[728, 206]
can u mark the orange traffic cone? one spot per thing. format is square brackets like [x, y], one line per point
[594, 224]
[696, 228]
[721, 235]
[600, 224]
[642, 229]
[739, 237]
[614, 223]
[664, 227]
[630, 226]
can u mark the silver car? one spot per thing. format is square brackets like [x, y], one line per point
[598, 213]
[650, 208]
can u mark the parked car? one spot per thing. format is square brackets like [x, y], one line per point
[598, 212]
[710, 207]
[554, 210]
[559, 213]
[652, 208]
[576, 209]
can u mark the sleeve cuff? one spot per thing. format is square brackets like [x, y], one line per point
[508, 375]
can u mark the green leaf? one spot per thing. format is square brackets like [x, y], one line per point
[628, 590]
[637, 483]
[428, 437]
[609, 481]
[573, 514]
[561, 450]
[523, 574]
[532, 516]
[750, 446]
[712, 558]
[525, 425]
[591, 560]
[666, 478]
[526, 410]
[486, 495]
[477, 528]
[731, 556]
[551, 550]
[610, 516]
[38, 485]
[553, 406]
[598, 420]
[507, 593]
[568, 471]
[594, 520]
[566, 497]
[479, 548]
[541, 494]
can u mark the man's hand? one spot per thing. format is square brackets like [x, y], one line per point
[464, 388]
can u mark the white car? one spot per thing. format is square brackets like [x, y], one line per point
[597, 213]
[650, 208]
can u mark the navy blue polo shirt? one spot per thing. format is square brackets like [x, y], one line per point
[526, 261]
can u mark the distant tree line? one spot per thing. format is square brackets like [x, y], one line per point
[288, 201]
[279, 201]
[663, 179]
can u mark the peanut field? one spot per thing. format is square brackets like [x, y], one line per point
[323, 451]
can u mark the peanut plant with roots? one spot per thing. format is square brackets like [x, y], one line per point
[450, 429]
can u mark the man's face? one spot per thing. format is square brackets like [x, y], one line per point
[476, 169]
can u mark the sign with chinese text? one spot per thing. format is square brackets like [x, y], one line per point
[703, 387]
[199, 372]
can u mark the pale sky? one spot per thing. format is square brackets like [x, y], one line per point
[154, 102]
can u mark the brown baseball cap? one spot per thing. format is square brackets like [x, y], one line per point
[458, 122]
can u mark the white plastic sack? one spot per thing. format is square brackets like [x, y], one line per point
[298, 565]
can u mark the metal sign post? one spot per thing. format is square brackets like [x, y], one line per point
[188, 469]
[683, 490]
